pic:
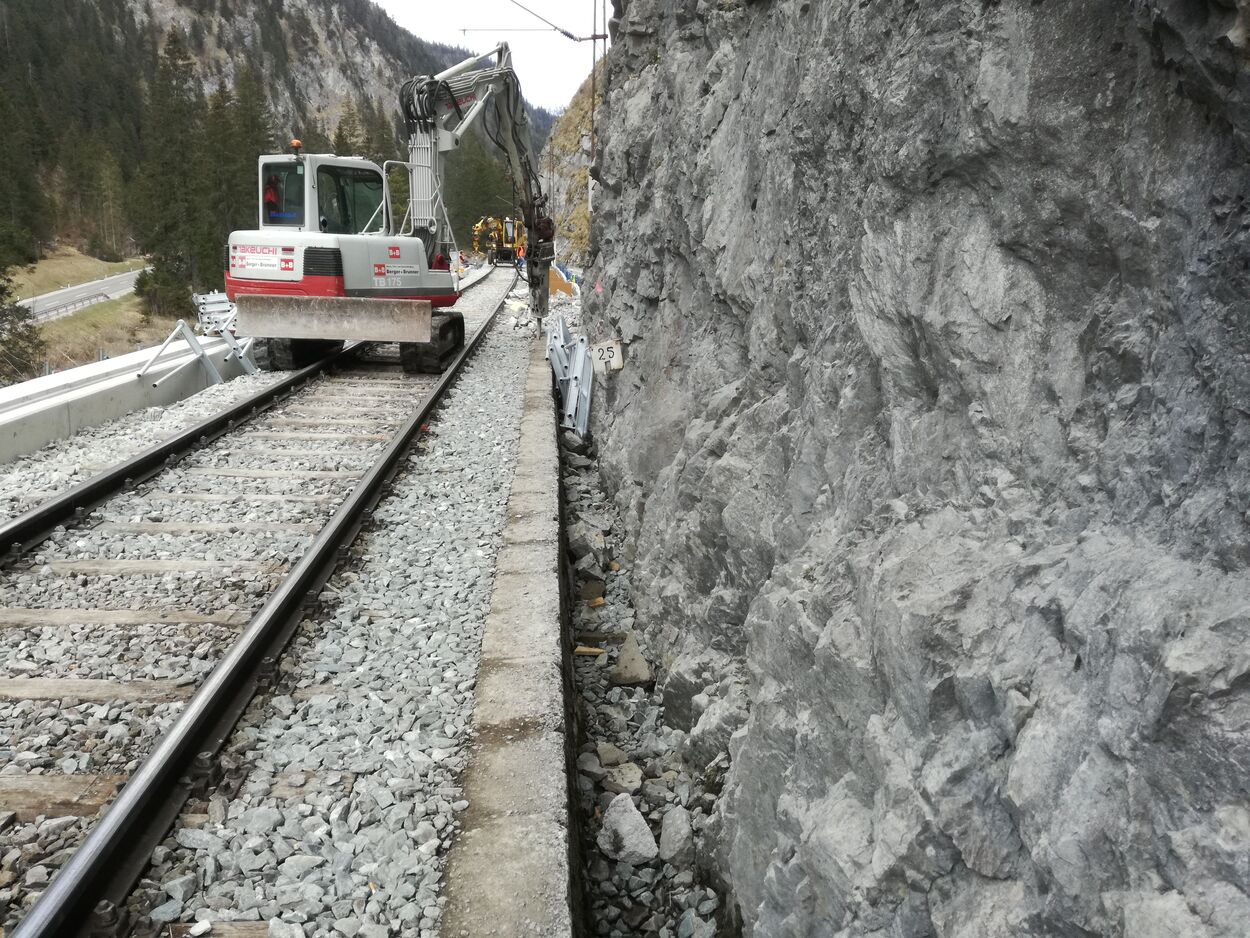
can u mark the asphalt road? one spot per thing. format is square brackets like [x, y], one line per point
[45, 307]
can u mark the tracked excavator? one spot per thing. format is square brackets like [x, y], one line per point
[334, 257]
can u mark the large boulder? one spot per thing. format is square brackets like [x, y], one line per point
[677, 837]
[625, 835]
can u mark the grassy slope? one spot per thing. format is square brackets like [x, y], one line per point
[64, 267]
[117, 326]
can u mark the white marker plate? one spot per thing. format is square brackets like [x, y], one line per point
[607, 356]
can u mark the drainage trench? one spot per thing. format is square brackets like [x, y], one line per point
[642, 808]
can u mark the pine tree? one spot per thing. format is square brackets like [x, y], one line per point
[166, 206]
[381, 141]
[21, 346]
[221, 193]
[253, 137]
[348, 139]
[314, 138]
[107, 208]
[21, 201]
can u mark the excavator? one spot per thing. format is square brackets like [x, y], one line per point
[334, 258]
[505, 239]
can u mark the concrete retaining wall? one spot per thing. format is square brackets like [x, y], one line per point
[34, 413]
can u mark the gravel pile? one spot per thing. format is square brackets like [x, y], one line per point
[518, 311]
[345, 796]
[643, 808]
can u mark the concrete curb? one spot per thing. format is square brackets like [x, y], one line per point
[508, 871]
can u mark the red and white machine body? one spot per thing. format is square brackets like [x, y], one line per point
[322, 232]
[328, 226]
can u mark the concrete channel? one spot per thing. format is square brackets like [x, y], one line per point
[56, 406]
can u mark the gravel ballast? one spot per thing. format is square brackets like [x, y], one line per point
[64, 463]
[341, 793]
[266, 523]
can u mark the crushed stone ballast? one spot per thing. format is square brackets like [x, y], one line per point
[111, 623]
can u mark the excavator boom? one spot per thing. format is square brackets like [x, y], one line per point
[439, 109]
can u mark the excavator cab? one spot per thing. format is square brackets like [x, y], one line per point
[322, 266]
[348, 192]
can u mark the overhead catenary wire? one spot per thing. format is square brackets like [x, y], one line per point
[561, 30]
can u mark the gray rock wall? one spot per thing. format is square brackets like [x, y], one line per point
[934, 446]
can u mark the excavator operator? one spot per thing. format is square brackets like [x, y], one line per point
[272, 199]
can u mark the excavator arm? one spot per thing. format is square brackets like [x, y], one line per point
[438, 110]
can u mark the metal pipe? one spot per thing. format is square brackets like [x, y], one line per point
[185, 365]
[467, 64]
[159, 352]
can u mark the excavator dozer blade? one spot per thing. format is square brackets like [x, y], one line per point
[333, 317]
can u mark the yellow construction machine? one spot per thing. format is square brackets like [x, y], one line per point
[503, 238]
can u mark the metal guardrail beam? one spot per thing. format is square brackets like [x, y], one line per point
[53, 312]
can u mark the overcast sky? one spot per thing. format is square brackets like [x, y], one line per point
[551, 67]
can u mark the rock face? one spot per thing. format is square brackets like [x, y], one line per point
[565, 163]
[315, 57]
[932, 447]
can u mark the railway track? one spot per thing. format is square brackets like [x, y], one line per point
[137, 630]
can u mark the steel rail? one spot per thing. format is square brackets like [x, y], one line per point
[31, 527]
[107, 864]
[18, 535]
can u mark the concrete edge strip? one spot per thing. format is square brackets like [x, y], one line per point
[508, 870]
[86, 401]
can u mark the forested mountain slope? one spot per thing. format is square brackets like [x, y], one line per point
[117, 111]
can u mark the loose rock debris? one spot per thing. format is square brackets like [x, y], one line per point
[642, 808]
